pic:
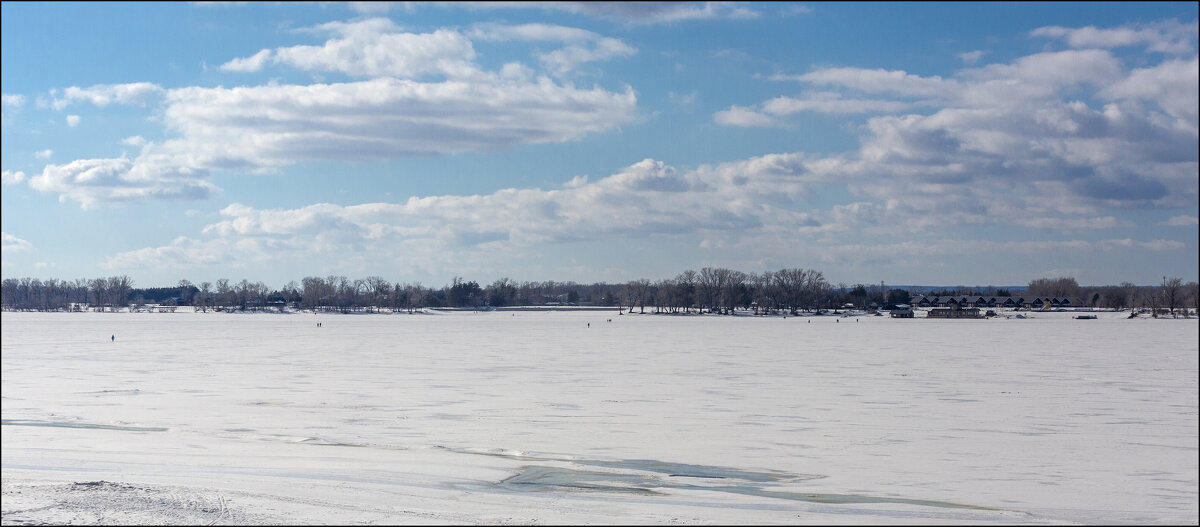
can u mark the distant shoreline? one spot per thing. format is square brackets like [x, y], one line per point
[921, 313]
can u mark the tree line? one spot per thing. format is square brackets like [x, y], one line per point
[709, 290]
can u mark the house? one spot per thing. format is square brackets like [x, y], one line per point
[954, 312]
[1007, 302]
[903, 311]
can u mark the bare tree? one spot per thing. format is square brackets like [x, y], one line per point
[762, 285]
[205, 295]
[1152, 299]
[686, 281]
[734, 292]
[665, 296]
[638, 291]
[1172, 292]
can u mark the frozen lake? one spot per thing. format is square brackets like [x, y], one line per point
[535, 417]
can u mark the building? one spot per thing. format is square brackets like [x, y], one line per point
[954, 312]
[1009, 302]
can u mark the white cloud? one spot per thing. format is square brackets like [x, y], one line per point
[380, 7]
[135, 141]
[818, 102]
[43, 154]
[561, 61]
[136, 93]
[13, 243]
[254, 62]
[73, 120]
[753, 206]
[585, 46]
[742, 116]
[971, 57]
[10, 177]
[1022, 124]
[1043, 74]
[875, 81]
[645, 199]
[373, 48]
[95, 181]
[1169, 36]
[531, 32]
[831, 103]
[1183, 220]
[635, 13]
[1105, 222]
[386, 117]
[1172, 85]
[14, 100]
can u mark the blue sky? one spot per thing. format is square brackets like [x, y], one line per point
[934, 143]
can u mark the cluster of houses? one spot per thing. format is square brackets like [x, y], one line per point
[1010, 302]
[970, 306]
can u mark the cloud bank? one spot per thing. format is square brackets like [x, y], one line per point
[408, 95]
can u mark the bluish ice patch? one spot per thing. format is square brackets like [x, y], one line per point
[650, 477]
[93, 426]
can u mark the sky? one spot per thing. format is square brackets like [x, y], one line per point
[909, 143]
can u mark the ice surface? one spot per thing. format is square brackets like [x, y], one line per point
[535, 417]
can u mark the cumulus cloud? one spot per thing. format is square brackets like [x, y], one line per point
[756, 204]
[390, 115]
[94, 181]
[14, 100]
[1023, 124]
[73, 120]
[647, 198]
[1171, 85]
[9, 177]
[43, 154]
[13, 243]
[373, 48]
[377, 47]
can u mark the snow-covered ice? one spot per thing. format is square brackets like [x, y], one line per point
[534, 417]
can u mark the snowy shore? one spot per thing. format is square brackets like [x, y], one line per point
[564, 417]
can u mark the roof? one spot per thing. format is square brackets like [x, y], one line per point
[997, 300]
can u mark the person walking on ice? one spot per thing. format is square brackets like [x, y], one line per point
[114, 338]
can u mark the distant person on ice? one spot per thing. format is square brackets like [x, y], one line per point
[114, 338]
